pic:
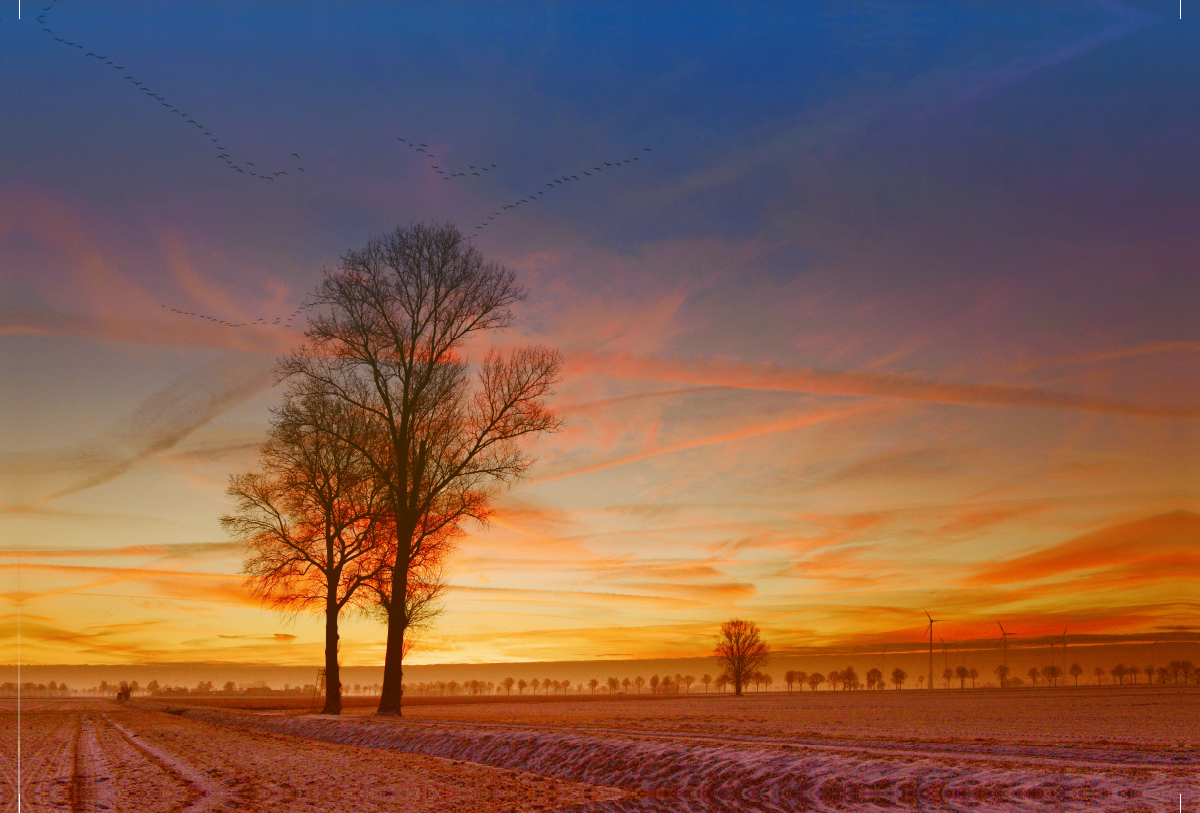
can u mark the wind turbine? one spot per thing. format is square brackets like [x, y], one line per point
[1004, 639]
[932, 621]
[1064, 649]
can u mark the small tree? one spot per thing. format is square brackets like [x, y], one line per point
[1076, 670]
[1051, 674]
[521, 686]
[593, 684]
[625, 685]
[874, 678]
[789, 677]
[815, 680]
[947, 676]
[722, 681]
[1118, 672]
[614, 685]
[1001, 672]
[741, 651]
[707, 679]
[508, 683]
[639, 681]
[801, 679]
[973, 674]
[1034, 674]
[898, 677]
[688, 680]
[849, 679]
[654, 681]
[1099, 673]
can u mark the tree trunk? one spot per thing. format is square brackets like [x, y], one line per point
[737, 688]
[333, 683]
[393, 665]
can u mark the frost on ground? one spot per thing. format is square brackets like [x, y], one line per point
[98, 756]
[698, 772]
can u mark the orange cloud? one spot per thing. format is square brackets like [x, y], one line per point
[1158, 545]
[851, 383]
[808, 419]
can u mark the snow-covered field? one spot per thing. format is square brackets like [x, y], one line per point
[99, 756]
[763, 754]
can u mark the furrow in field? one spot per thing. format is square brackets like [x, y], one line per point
[706, 776]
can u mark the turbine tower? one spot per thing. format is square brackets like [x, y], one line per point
[1004, 638]
[932, 621]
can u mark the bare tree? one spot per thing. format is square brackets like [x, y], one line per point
[815, 680]
[741, 651]
[962, 674]
[639, 681]
[898, 677]
[388, 338]
[309, 519]
[1076, 670]
[874, 678]
[1001, 672]
[706, 679]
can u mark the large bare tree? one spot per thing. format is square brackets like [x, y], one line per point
[741, 651]
[310, 518]
[388, 337]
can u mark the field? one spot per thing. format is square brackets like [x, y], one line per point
[1087, 749]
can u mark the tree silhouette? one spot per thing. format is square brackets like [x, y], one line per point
[1076, 670]
[387, 337]
[1034, 674]
[898, 677]
[707, 679]
[741, 651]
[507, 683]
[962, 674]
[947, 676]
[688, 680]
[639, 681]
[874, 678]
[593, 684]
[1099, 673]
[521, 686]
[654, 684]
[311, 520]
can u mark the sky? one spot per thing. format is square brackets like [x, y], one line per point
[894, 311]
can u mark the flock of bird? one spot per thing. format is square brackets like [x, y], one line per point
[251, 169]
[554, 183]
[286, 321]
[439, 170]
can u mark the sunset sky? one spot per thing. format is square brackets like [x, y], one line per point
[898, 311]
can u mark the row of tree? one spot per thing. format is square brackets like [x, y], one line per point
[388, 439]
